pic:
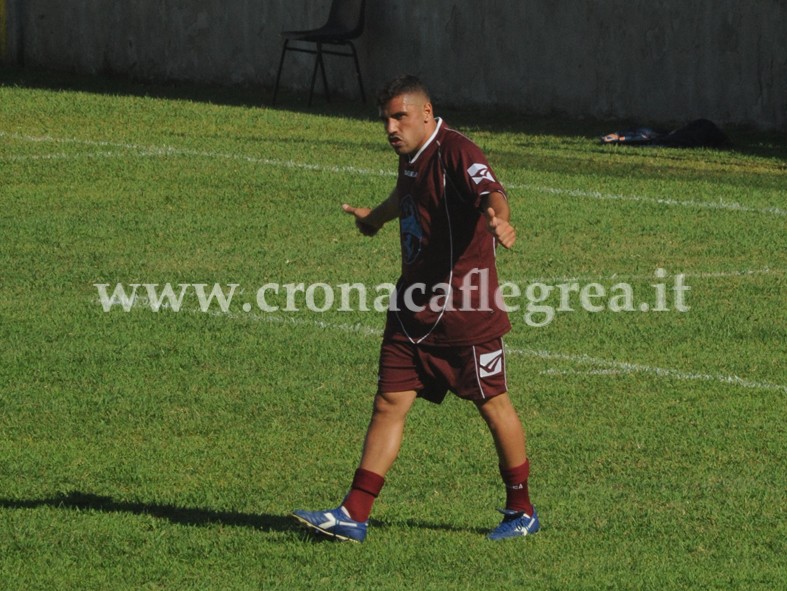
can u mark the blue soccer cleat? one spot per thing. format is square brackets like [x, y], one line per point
[515, 524]
[334, 523]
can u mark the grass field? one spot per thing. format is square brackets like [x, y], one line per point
[148, 449]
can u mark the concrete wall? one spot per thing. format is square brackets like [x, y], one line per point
[647, 60]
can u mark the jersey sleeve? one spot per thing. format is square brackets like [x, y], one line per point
[468, 170]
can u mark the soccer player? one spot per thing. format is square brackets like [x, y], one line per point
[445, 324]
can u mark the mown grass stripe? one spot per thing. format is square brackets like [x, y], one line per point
[148, 150]
[622, 367]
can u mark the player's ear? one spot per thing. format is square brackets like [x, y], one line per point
[428, 113]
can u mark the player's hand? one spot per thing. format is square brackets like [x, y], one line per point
[361, 213]
[499, 228]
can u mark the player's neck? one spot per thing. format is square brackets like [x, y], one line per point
[432, 128]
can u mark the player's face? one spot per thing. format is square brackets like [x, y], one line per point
[408, 122]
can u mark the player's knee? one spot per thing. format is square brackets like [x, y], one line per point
[392, 403]
[495, 409]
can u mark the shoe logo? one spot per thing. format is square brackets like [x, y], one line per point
[490, 364]
[480, 172]
[333, 522]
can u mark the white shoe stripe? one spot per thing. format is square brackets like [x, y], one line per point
[330, 523]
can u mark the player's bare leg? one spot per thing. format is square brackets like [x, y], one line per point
[383, 440]
[384, 434]
[506, 428]
[520, 518]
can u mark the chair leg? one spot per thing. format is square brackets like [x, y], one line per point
[314, 73]
[358, 71]
[319, 63]
[278, 73]
[324, 78]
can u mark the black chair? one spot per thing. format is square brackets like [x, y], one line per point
[345, 23]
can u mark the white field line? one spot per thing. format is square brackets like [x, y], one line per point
[641, 277]
[62, 156]
[720, 204]
[607, 366]
[575, 372]
[662, 372]
[162, 151]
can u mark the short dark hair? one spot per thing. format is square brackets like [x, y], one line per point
[405, 84]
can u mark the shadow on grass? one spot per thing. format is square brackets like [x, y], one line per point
[180, 515]
[82, 501]
[217, 94]
[745, 139]
[491, 119]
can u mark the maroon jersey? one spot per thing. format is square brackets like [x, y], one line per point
[446, 293]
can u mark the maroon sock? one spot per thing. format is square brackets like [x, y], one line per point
[517, 496]
[363, 491]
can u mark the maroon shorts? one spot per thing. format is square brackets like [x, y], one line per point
[474, 372]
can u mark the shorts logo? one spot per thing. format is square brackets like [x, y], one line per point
[480, 172]
[490, 364]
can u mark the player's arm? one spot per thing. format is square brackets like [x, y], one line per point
[497, 212]
[369, 221]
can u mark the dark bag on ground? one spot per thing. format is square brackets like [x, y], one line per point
[700, 133]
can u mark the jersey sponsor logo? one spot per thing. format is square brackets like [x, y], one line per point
[411, 231]
[490, 364]
[480, 172]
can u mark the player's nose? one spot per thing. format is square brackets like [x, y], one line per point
[390, 126]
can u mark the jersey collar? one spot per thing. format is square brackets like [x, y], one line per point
[439, 121]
